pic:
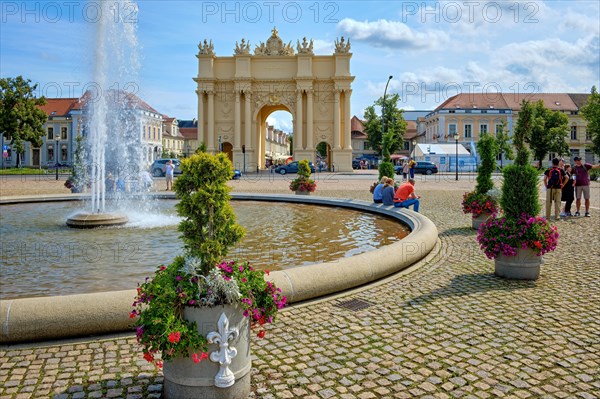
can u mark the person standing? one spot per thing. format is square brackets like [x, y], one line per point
[582, 184]
[554, 180]
[405, 170]
[411, 165]
[388, 192]
[405, 196]
[568, 192]
[169, 171]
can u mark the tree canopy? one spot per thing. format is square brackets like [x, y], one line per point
[591, 113]
[505, 148]
[394, 122]
[544, 130]
[20, 115]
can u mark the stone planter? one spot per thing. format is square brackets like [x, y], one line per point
[226, 373]
[523, 266]
[477, 220]
[300, 192]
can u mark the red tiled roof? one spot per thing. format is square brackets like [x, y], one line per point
[189, 132]
[356, 125]
[60, 106]
[552, 101]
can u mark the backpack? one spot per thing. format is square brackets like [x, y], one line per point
[555, 178]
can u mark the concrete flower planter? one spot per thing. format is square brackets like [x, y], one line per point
[477, 220]
[523, 266]
[226, 373]
[300, 192]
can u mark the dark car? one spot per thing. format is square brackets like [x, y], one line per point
[158, 167]
[423, 167]
[292, 167]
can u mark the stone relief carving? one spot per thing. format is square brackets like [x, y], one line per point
[274, 46]
[206, 48]
[342, 47]
[306, 47]
[243, 48]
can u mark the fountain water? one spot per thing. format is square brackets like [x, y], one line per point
[113, 116]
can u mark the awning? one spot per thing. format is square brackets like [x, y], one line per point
[398, 156]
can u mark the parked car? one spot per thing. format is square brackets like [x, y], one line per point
[292, 167]
[158, 167]
[423, 167]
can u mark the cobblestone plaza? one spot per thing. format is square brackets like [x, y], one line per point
[444, 328]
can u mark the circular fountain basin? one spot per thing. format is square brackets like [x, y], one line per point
[86, 220]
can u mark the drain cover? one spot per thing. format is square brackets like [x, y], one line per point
[354, 304]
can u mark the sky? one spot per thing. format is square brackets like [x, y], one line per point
[433, 50]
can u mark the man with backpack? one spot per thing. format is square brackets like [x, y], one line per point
[554, 180]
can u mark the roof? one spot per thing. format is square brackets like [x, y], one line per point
[579, 99]
[440, 149]
[187, 123]
[190, 133]
[356, 125]
[123, 98]
[60, 106]
[552, 101]
[358, 135]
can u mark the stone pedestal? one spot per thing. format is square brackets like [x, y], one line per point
[91, 220]
[523, 266]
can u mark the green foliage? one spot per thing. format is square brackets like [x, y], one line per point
[505, 149]
[591, 113]
[209, 227]
[386, 169]
[394, 122]
[322, 149]
[488, 149]
[520, 191]
[594, 174]
[304, 168]
[20, 115]
[201, 148]
[544, 130]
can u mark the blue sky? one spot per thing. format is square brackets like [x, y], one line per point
[433, 49]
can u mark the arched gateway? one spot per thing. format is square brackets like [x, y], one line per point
[236, 94]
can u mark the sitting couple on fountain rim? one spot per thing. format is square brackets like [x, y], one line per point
[403, 197]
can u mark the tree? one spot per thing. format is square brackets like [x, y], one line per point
[488, 149]
[503, 143]
[591, 113]
[544, 130]
[322, 149]
[394, 121]
[20, 115]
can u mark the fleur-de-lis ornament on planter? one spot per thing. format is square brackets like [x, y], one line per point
[225, 354]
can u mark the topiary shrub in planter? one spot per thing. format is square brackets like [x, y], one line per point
[196, 314]
[479, 202]
[517, 240]
[303, 184]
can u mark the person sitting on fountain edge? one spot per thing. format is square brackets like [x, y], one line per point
[405, 196]
[378, 191]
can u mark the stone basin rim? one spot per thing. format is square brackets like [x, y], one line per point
[67, 316]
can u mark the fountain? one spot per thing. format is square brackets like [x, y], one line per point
[112, 112]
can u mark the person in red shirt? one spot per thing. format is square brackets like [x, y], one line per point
[405, 196]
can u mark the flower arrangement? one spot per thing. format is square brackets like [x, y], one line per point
[303, 181]
[505, 235]
[201, 278]
[159, 304]
[478, 204]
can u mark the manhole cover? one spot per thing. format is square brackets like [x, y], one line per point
[354, 304]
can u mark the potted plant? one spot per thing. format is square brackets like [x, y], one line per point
[480, 203]
[196, 314]
[303, 184]
[517, 239]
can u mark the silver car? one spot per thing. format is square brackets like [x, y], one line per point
[157, 169]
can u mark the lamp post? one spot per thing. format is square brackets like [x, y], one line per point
[414, 144]
[383, 113]
[56, 155]
[456, 138]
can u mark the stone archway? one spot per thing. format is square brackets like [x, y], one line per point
[235, 94]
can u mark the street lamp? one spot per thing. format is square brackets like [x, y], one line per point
[383, 112]
[57, 137]
[456, 138]
[414, 144]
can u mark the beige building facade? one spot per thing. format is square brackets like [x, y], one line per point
[237, 93]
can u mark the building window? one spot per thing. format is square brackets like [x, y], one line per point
[366, 145]
[452, 129]
[63, 153]
[468, 131]
[50, 133]
[589, 156]
[63, 133]
[573, 132]
[406, 145]
[574, 153]
[498, 129]
[50, 153]
[483, 128]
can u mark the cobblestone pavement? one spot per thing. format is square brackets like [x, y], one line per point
[446, 329]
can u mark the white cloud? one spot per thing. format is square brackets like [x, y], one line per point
[392, 34]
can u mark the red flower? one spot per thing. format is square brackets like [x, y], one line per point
[261, 334]
[149, 357]
[159, 364]
[174, 337]
[132, 315]
[538, 244]
[267, 272]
